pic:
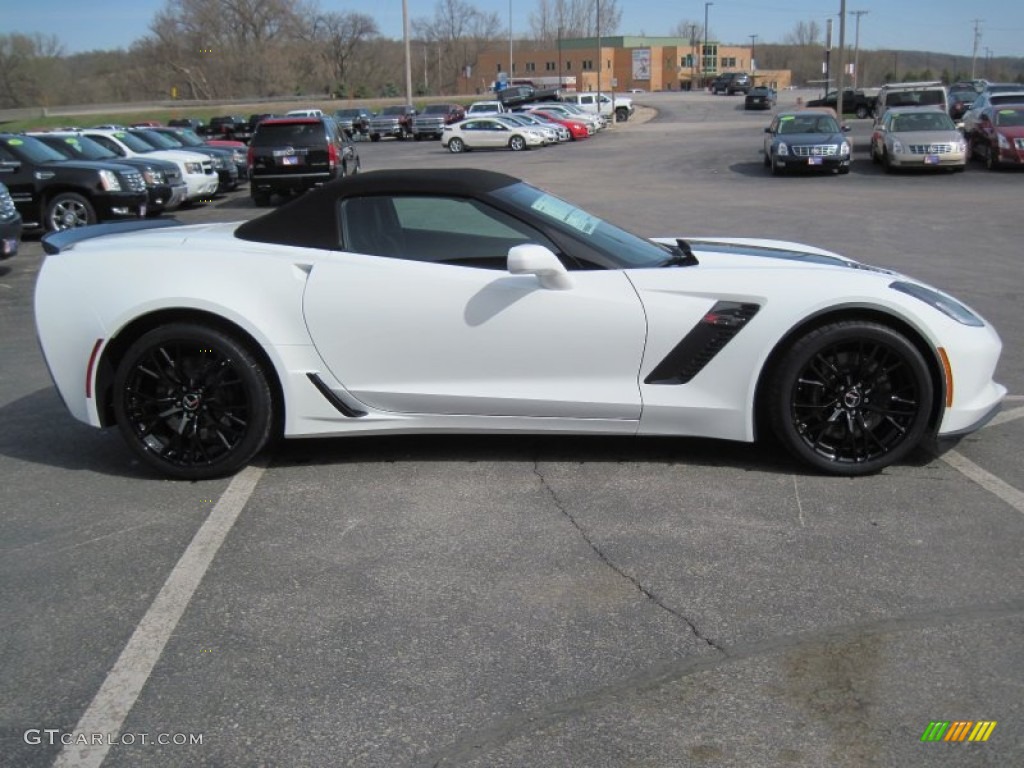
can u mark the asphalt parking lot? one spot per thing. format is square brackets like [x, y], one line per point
[525, 601]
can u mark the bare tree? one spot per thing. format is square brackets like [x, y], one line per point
[573, 18]
[805, 33]
[339, 38]
[691, 30]
[461, 31]
[28, 66]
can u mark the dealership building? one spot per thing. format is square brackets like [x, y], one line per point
[621, 63]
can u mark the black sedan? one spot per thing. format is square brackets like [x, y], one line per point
[761, 97]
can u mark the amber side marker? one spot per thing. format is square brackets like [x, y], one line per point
[947, 371]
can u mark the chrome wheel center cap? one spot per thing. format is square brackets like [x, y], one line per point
[852, 398]
[191, 401]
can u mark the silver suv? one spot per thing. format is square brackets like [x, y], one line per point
[922, 94]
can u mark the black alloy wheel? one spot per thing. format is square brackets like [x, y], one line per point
[192, 401]
[851, 398]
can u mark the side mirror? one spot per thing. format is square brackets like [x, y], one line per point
[537, 260]
[845, 128]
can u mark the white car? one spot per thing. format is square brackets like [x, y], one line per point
[490, 133]
[463, 300]
[485, 108]
[196, 169]
[530, 123]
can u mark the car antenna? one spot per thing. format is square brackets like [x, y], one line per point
[689, 260]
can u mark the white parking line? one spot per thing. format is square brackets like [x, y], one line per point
[116, 697]
[1011, 415]
[985, 479]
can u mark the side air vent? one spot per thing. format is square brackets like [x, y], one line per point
[705, 340]
[342, 407]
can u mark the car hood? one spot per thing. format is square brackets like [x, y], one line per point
[759, 253]
[810, 138]
[1011, 131]
[928, 137]
[92, 165]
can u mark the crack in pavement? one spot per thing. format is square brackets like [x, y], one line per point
[487, 738]
[645, 591]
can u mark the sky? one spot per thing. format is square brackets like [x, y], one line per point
[933, 25]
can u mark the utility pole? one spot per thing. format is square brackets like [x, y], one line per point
[753, 60]
[842, 59]
[704, 51]
[977, 40]
[828, 54]
[599, 62]
[408, 60]
[693, 57]
[510, 42]
[856, 48]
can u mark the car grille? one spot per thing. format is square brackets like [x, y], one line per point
[135, 181]
[173, 175]
[6, 205]
[208, 167]
[930, 149]
[816, 150]
[384, 124]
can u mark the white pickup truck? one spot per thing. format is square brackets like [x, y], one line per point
[603, 104]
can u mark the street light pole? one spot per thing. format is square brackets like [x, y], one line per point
[753, 48]
[704, 51]
[408, 59]
[856, 48]
[510, 42]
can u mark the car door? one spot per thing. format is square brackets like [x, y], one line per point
[420, 315]
[491, 133]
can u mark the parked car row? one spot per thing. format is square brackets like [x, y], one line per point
[916, 128]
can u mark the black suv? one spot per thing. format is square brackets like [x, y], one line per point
[731, 83]
[167, 190]
[55, 193]
[10, 224]
[293, 154]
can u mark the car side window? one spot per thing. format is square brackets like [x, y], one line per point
[443, 230]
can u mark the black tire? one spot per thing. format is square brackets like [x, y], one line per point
[261, 199]
[374, 137]
[851, 398]
[456, 145]
[992, 159]
[776, 166]
[621, 115]
[418, 137]
[862, 112]
[887, 163]
[68, 210]
[517, 143]
[192, 401]
[767, 161]
[843, 170]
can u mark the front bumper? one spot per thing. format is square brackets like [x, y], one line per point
[121, 205]
[912, 160]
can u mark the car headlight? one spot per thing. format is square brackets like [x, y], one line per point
[844, 149]
[153, 177]
[109, 181]
[897, 146]
[782, 149]
[1003, 141]
[194, 168]
[947, 305]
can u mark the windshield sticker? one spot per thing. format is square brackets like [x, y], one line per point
[14, 142]
[71, 140]
[561, 210]
[787, 118]
[119, 134]
[1007, 111]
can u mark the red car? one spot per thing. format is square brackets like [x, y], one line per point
[576, 129]
[998, 136]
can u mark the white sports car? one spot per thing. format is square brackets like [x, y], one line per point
[469, 301]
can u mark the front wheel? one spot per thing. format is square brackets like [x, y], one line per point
[456, 145]
[992, 159]
[67, 211]
[517, 143]
[374, 137]
[621, 115]
[851, 398]
[192, 402]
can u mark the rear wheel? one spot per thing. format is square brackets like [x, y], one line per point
[374, 137]
[192, 401]
[517, 143]
[456, 145]
[261, 199]
[621, 115]
[851, 398]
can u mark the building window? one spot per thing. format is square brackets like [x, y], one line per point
[549, 66]
[588, 64]
[531, 66]
[568, 65]
[499, 66]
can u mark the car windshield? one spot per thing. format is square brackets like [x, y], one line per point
[188, 137]
[134, 143]
[1010, 117]
[283, 134]
[81, 147]
[621, 247]
[347, 113]
[158, 140]
[436, 109]
[930, 121]
[393, 111]
[789, 124]
[32, 150]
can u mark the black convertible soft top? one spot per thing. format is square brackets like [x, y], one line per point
[311, 221]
